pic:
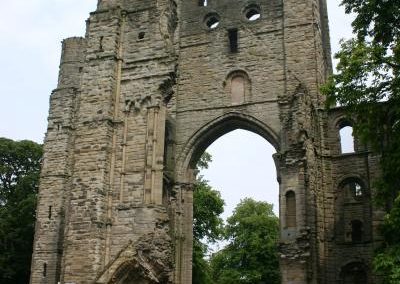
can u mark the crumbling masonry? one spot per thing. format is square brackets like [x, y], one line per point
[140, 97]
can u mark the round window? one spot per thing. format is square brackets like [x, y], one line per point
[212, 21]
[252, 13]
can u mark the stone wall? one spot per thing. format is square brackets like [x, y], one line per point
[151, 85]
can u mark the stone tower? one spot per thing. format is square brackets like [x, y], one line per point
[142, 95]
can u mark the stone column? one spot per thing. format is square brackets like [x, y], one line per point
[183, 232]
[155, 137]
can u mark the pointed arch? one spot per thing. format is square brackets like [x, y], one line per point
[132, 272]
[216, 128]
[144, 261]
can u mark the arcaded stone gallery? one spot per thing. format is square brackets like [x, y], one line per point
[151, 85]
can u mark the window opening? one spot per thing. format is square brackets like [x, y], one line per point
[50, 211]
[290, 209]
[353, 190]
[141, 35]
[357, 190]
[101, 43]
[347, 139]
[356, 231]
[233, 40]
[203, 3]
[252, 14]
[212, 22]
[44, 269]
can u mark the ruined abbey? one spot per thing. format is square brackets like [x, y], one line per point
[151, 85]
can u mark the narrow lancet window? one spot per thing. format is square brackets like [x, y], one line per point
[290, 209]
[233, 40]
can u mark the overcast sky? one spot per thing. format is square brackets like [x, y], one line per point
[31, 32]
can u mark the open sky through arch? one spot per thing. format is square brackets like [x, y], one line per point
[242, 166]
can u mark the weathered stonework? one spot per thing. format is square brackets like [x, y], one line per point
[142, 96]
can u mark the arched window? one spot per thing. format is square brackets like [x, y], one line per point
[352, 212]
[290, 209]
[346, 139]
[347, 142]
[237, 85]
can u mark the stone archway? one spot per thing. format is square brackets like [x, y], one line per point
[195, 146]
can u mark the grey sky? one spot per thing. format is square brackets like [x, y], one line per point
[31, 32]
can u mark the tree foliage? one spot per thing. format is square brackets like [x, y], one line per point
[19, 176]
[207, 223]
[367, 83]
[251, 255]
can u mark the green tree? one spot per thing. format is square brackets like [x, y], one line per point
[207, 223]
[367, 84]
[251, 256]
[19, 176]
